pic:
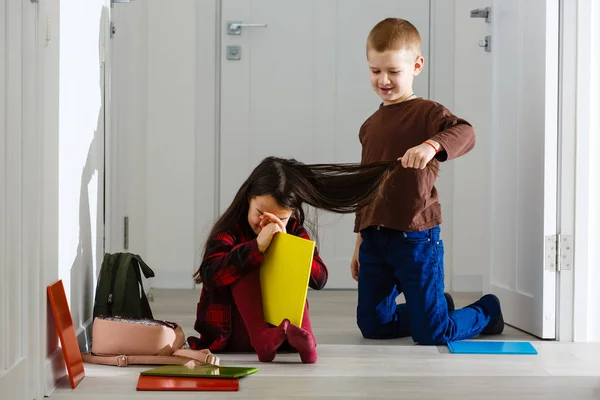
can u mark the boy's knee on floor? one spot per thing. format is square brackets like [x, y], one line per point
[369, 334]
[429, 336]
[370, 329]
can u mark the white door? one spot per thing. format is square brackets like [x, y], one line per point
[20, 291]
[301, 90]
[524, 159]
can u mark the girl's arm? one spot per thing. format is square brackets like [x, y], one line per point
[318, 272]
[225, 262]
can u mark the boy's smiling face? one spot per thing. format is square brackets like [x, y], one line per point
[392, 73]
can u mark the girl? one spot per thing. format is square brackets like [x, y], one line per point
[229, 315]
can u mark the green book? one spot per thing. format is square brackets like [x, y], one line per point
[201, 371]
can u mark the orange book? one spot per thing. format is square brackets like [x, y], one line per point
[66, 332]
[170, 383]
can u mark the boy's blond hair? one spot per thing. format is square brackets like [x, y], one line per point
[395, 34]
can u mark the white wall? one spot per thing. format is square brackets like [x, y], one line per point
[81, 142]
[73, 160]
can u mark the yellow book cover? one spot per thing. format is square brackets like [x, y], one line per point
[284, 277]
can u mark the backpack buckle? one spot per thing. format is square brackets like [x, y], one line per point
[211, 359]
[122, 361]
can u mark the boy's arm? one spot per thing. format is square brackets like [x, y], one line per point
[454, 135]
[358, 214]
[318, 271]
[225, 262]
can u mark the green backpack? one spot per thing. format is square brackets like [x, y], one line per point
[120, 291]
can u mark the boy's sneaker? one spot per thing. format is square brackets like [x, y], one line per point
[491, 303]
[449, 301]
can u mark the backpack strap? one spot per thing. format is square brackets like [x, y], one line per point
[125, 262]
[144, 304]
[146, 270]
[179, 357]
[105, 285]
[120, 284]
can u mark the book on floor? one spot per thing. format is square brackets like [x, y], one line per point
[170, 383]
[66, 332]
[491, 347]
[200, 371]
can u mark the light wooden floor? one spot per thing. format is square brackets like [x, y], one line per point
[352, 367]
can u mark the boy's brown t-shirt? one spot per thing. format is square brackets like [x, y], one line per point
[409, 201]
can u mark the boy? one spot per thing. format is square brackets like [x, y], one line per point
[398, 246]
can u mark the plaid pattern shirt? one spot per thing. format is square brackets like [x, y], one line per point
[229, 256]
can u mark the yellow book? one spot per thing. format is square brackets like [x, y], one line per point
[284, 277]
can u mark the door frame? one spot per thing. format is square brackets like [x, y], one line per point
[33, 169]
[573, 206]
[566, 190]
[581, 318]
[114, 192]
[110, 164]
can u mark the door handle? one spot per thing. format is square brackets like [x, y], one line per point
[235, 27]
[482, 13]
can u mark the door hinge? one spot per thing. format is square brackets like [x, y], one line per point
[126, 233]
[102, 54]
[559, 253]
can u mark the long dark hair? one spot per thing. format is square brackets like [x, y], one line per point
[338, 188]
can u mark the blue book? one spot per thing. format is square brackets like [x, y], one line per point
[495, 347]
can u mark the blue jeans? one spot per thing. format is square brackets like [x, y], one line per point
[394, 262]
